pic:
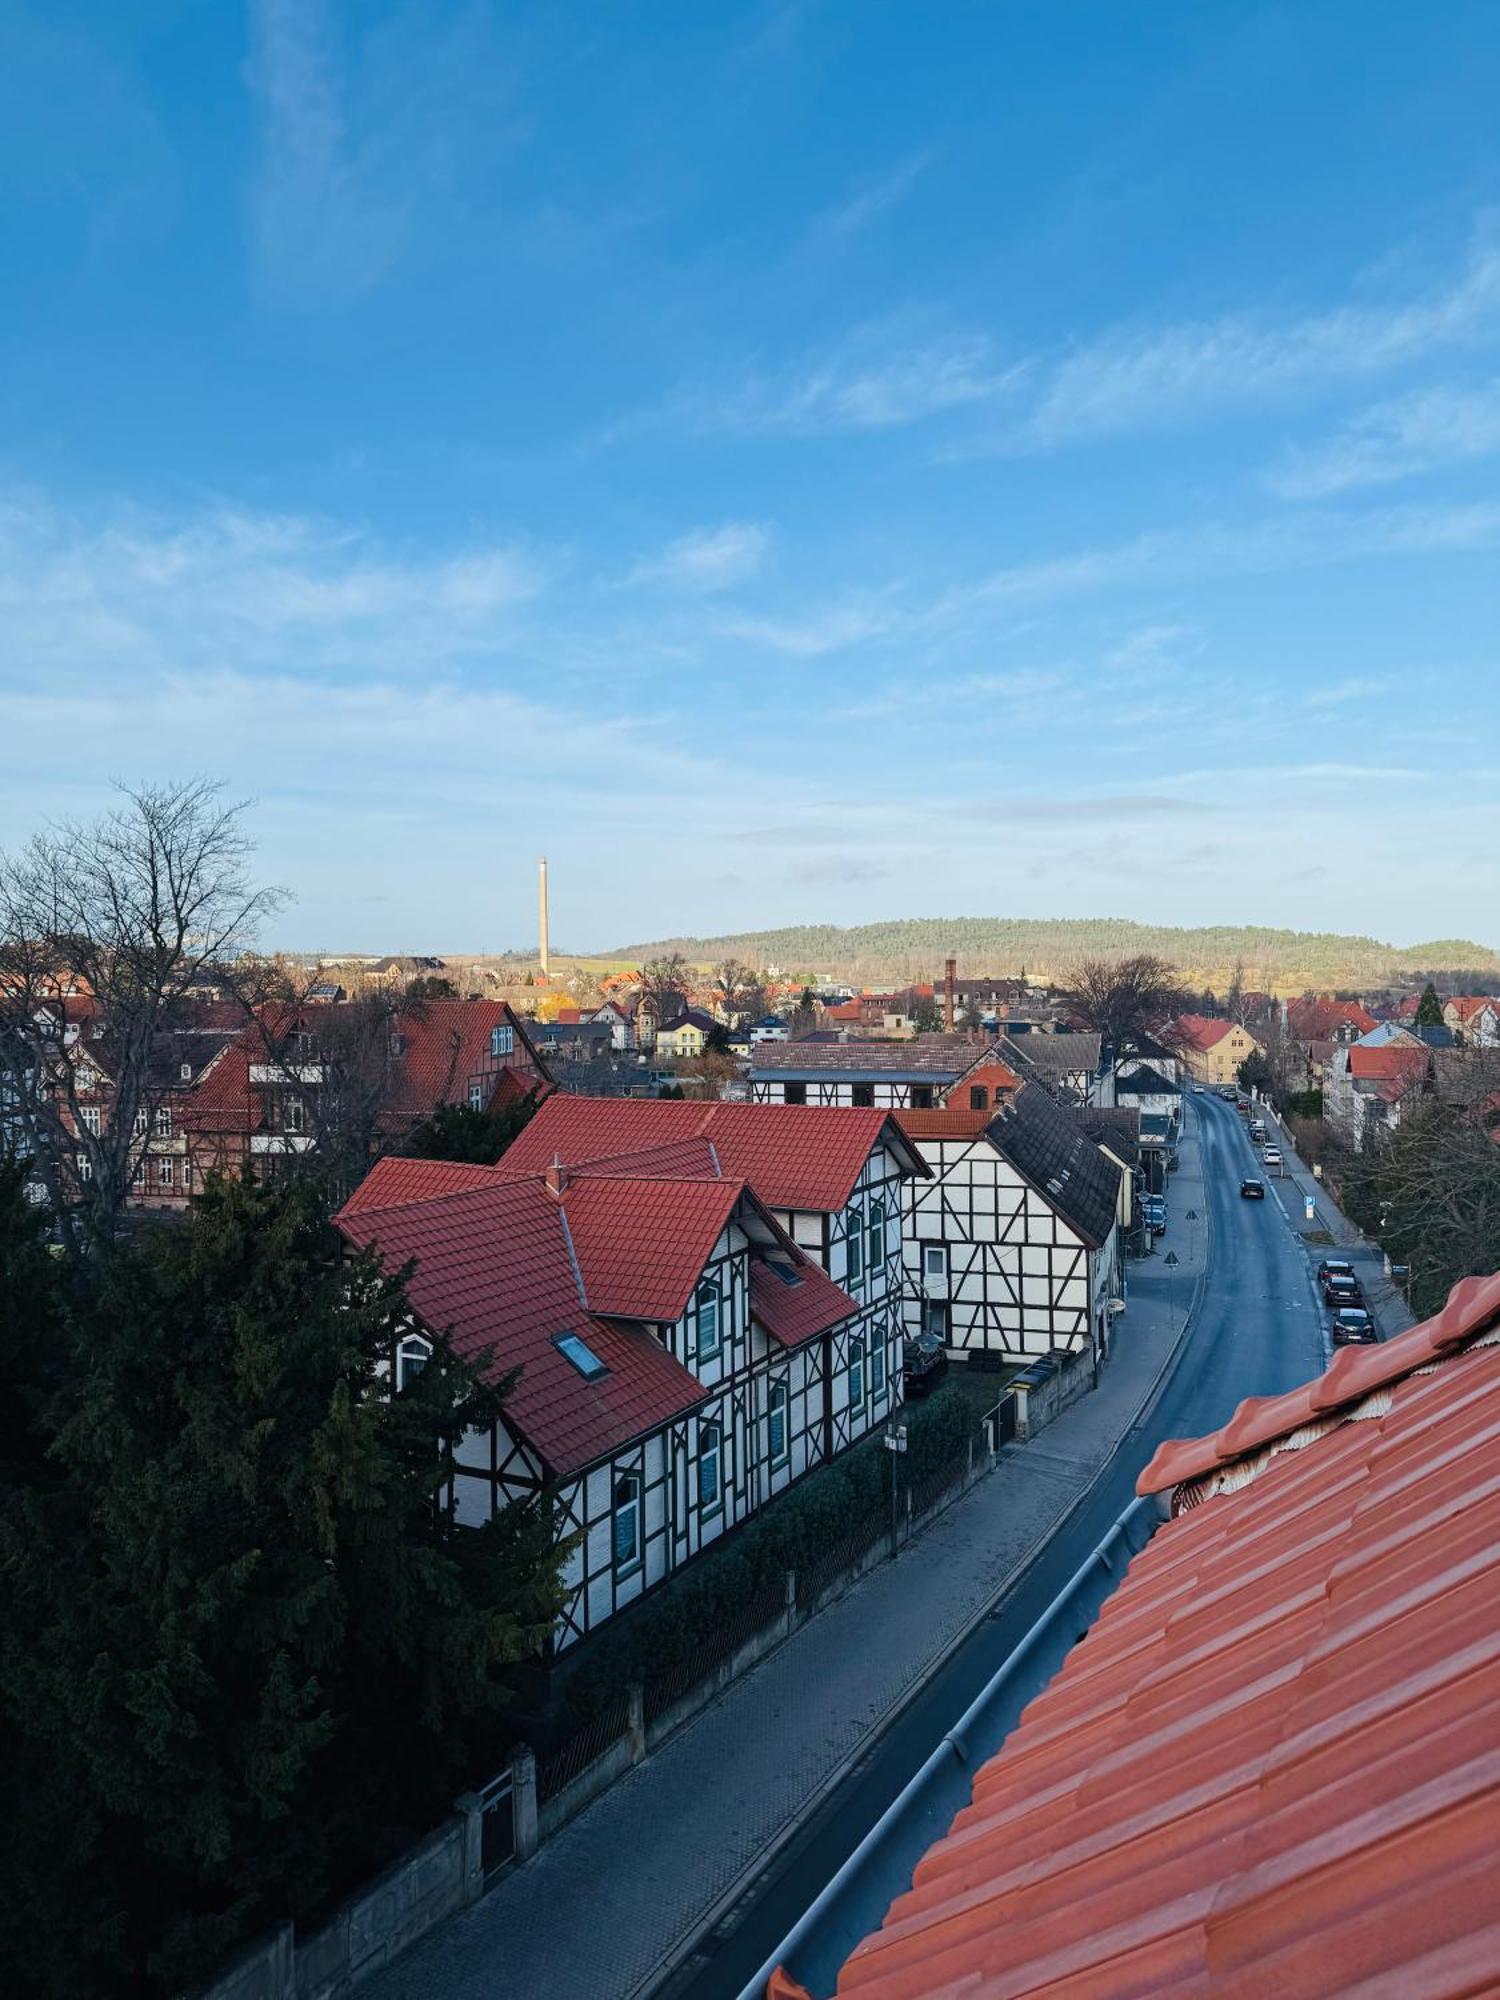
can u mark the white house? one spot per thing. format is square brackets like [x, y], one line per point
[1013, 1246]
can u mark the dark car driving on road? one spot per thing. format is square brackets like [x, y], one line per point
[1352, 1326]
[1253, 1190]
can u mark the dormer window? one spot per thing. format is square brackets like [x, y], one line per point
[186, 1072]
[412, 1356]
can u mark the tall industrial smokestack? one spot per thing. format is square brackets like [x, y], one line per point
[542, 894]
[950, 970]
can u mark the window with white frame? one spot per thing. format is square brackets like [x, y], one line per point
[502, 1041]
[710, 1480]
[627, 1521]
[476, 1095]
[91, 1118]
[778, 1436]
[165, 1173]
[856, 1371]
[412, 1356]
[935, 1261]
[877, 1368]
[85, 1167]
[186, 1072]
[854, 1234]
[710, 1330]
[294, 1115]
[876, 1237]
[142, 1120]
[163, 1121]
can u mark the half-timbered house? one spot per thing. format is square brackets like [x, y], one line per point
[1012, 1247]
[1066, 1064]
[680, 1359]
[834, 1181]
[916, 1075]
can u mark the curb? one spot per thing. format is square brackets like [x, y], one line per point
[660, 1977]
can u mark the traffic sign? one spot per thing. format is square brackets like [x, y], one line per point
[1192, 1215]
[1171, 1256]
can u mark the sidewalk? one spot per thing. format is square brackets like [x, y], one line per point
[1391, 1313]
[607, 1901]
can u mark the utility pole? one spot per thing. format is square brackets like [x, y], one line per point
[895, 1443]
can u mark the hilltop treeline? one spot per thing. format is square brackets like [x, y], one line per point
[914, 947]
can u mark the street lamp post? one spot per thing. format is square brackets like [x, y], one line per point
[895, 1443]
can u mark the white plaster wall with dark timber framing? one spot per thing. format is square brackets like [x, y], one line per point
[1020, 1280]
[863, 1385]
[832, 1091]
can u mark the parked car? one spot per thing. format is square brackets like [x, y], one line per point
[1154, 1210]
[924, 1362]
[1334, 1267]
[1272, 1158]
[1352, 1326]
[1342, 1292]
[1228, 1092]
[1257, 1131]
[1251, 1190]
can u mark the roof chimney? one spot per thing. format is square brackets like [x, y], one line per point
[542, 898]
[556, 1178]
[950, 969]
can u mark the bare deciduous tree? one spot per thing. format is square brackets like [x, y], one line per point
[106, 930]
[1122, 999]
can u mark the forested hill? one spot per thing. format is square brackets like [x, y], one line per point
[915, 947]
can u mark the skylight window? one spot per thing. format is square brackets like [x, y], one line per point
[582, 1356]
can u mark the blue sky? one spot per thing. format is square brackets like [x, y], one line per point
[792, 462]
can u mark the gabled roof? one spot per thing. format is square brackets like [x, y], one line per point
[795, 1156]
[494, 1272]
[1047, 1145]
[1146, 1082]
[1272, 1766]
[947, 1121]
[1202, 1033]
[1397, 1062]
[1052, 1056]
[1467, 1005]
[1117, 1126]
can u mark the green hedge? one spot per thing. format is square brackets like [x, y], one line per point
[686, 1614]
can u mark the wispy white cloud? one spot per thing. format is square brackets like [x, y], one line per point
[126, 588]
[822, 629]
[872, 198]
[355, 144]
[1170, 556]
[1339, 693]
[880, 377]
[1394, 439]
[1130, 379]
[707, 559]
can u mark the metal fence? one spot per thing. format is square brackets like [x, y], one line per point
[664, 1689]
[582, 1748]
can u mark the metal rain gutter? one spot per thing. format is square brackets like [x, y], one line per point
[855, 1902]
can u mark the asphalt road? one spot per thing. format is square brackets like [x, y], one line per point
[1259, 1330]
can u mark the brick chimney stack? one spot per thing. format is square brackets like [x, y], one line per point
[556, 1178]
[950, 970]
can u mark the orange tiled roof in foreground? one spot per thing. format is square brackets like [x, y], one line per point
[1272, 1767]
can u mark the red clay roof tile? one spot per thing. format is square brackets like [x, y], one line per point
[1272, 1766]
[794, 1156]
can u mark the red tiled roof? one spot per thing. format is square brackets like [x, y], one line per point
[642, 1244]
[1202, 1032]
[953, 1121]
[1319, 1019]
[794, 1313]
[445, 1046]
[795, 1156]
[396, 1183]
[492, 1270]
[1394, 1062]
[1467, 1005]
[1272, 1767]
